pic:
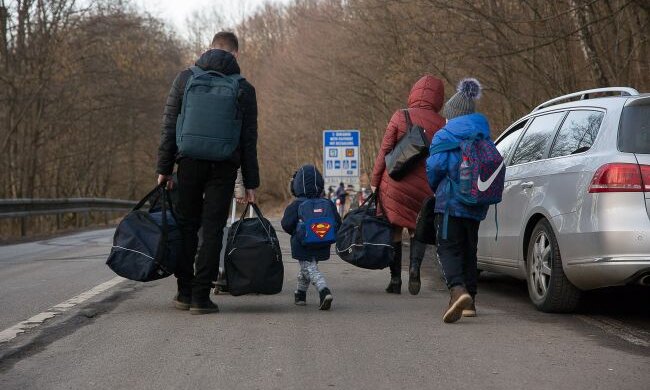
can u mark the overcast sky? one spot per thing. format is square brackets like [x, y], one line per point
[176, 11]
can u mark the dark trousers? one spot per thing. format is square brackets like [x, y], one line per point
[457, 253]
[205, 190]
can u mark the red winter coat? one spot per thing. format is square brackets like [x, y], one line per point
[403, 199]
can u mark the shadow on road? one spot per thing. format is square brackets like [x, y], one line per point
[631, 303]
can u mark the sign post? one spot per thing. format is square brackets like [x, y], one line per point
[341, 157]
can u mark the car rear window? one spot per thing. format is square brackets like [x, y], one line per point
[577, 134]
[634, 132]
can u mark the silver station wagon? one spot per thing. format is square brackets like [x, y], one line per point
[575, 213]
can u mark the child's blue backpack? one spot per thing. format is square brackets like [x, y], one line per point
[316, 223]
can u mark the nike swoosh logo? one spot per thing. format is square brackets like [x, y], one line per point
[484, 185]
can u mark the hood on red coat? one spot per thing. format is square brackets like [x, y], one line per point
[427, 93]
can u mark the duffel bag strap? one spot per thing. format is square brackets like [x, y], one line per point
[380, 206]
[148, 196]
[369, 199]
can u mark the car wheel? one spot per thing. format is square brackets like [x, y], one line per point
[548, 287]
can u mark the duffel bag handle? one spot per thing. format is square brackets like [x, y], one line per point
[374, 197]
[165, 203]
[144, 200]
[258, 214]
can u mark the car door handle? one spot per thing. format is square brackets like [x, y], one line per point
[528, 184]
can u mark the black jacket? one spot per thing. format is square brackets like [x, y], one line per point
[246, 153]
[307, 184]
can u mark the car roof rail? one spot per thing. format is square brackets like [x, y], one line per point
[625, 91]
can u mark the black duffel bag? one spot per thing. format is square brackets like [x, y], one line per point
[409, 150]
[365, 239]
[147, 243]
[253, 259]
[425, 226]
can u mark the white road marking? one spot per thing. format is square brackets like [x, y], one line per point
[13, 331]
[618, 329]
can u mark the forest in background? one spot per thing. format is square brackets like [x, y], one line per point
[82, 87]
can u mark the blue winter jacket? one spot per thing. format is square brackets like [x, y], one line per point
[443, 166]
[307, 184]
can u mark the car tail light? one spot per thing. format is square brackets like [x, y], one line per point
[645, 177]
[619, 177]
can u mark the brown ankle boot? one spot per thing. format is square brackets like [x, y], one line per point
[471, 310]
[459, 301]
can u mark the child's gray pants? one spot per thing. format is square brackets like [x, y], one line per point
[309, 273]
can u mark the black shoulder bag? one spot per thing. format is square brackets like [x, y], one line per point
[408, 151]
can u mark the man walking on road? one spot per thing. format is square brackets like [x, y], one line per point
[211, 147]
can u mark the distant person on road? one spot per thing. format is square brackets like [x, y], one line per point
[457, 252]
[341, 196]
[402, 200]
[307, 186]
[206, 186]
[331, 194]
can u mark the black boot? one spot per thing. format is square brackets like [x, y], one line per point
[183, 297]
[300, 297]
[203, 306]
[395, 285]
[416, 255]
[325, 299]
[201, 303]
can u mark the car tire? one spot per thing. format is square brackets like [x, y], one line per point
[548, 287]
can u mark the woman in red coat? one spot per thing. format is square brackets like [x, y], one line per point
[402, 200]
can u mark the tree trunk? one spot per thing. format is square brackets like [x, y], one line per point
[582, 19]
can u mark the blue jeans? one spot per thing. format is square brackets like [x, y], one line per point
[457, 253]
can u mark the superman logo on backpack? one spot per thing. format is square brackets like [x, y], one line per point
[316, 226]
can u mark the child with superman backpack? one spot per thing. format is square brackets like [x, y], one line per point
[312, 222]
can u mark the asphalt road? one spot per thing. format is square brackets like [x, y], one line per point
[130, 337]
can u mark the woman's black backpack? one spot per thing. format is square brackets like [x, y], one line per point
[147, 243]
[365, 239]
[253, 259]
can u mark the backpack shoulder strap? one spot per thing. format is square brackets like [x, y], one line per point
[444, 147]
[236, 77]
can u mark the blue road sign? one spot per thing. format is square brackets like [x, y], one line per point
[341, 153]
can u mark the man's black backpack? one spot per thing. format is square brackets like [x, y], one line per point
[409, 150]
[365, 239]
[147, 243]
[253, 256]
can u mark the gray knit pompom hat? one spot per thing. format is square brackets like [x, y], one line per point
[462, 103]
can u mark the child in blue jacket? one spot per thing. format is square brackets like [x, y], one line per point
[308, 184]
[457, 244]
